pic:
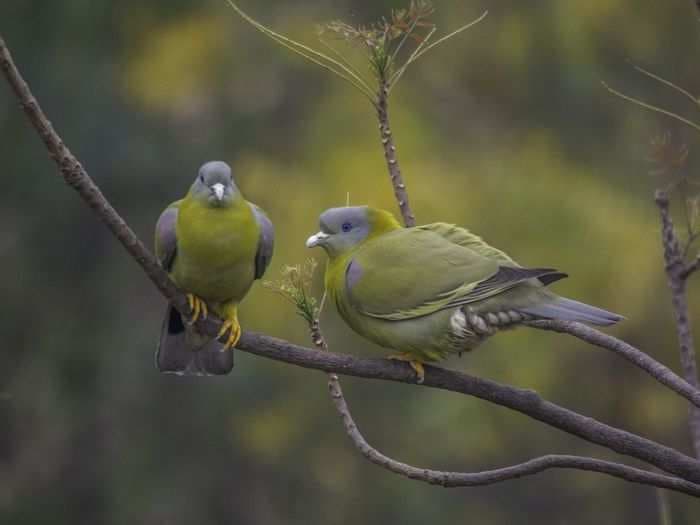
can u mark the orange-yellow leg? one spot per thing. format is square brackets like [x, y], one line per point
[198, 308]
[416, 364]
[229, 313]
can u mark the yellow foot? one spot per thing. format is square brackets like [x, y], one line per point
[198, 308]
[416, 365]
[230, 325]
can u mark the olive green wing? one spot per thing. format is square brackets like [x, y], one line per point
[415, 272]
[467, 239]
[411, 273]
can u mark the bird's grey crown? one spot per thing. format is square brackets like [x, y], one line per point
[215, 171]
[332, 220]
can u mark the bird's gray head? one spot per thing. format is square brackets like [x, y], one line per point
[342, 229]
[214, 185]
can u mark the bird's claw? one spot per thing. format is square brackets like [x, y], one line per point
[416, 365]
[233, 328]
[198, 308]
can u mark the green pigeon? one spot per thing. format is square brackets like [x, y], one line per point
[433, 290]
[213, 244]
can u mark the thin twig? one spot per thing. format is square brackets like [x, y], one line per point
[310, 54]
[342, 59]
[394, 78]
[406, 35]
[668, 83]
[450, 35]
[676, 273]
[651, 107]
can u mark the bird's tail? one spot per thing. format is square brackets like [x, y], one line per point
[185, 353]
[564, 309]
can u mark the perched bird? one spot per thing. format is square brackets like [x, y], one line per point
[214, 244]
[429, 291]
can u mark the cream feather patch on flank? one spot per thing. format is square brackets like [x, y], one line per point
[458, 322]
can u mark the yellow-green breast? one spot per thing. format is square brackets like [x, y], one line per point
[216, 250]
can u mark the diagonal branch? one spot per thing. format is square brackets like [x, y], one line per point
[658, 371]
[75, 176]
[676, 274]
[524, 401]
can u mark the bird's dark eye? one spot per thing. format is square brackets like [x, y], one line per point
[201, 179]
[346, 227]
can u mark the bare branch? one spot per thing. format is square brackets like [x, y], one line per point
[668, 83]
[75, 176]
[691, 268]
[676, 273]
[326, 62]
[658, 371]
[447, 37]
[392, 162]
[394, 79]
[651, 107]
[521, 400]
[488, 477]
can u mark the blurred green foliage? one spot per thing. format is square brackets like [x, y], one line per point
[505, 130]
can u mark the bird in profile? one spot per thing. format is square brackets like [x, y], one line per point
[430, 291]
[213, 244]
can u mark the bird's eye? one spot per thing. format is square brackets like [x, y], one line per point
[201, 179]
[346, 227]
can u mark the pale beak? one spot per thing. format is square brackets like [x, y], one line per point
[316, 240]
[218, 190]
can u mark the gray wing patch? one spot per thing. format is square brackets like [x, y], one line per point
[352, 274]
[506, 278]
[266, 242]
[166, 237]
[508, 275]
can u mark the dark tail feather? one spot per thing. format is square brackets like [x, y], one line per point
[177, 353]
[564, 309]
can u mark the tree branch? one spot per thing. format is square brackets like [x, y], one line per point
[392, 162]
[691, 268]
[488, 477]
[75, 176]
[676, 274]
[524, 401]
[658, 371]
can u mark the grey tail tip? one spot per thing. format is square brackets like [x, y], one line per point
[177, 357]
[563, 309]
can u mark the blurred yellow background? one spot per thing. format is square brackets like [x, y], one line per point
[505, 129]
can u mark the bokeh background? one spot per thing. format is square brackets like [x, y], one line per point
[505, 129]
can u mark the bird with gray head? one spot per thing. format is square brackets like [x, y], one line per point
[214, 244]
[430, 291]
